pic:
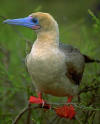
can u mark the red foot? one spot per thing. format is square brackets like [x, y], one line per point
[66, 111]
[36, 100]
[39, 100]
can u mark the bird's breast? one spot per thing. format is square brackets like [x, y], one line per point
[46, 65]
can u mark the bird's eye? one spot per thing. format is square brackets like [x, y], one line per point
[34, 20]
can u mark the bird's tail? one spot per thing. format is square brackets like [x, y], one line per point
[90, 60]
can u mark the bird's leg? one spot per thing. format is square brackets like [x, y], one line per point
[66, 111]
[72, 112]
[69, 99]
[39, 100]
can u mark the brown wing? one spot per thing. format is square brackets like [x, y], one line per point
[75, 62]
[73, 75]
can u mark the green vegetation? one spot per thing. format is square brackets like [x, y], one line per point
[79, 24]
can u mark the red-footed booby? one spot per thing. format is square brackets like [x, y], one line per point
[55, 68]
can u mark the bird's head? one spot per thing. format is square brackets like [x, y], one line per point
[37, 21]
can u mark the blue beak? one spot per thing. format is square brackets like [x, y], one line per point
[26, 22]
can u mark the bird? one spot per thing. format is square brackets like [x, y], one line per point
[55, 68]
